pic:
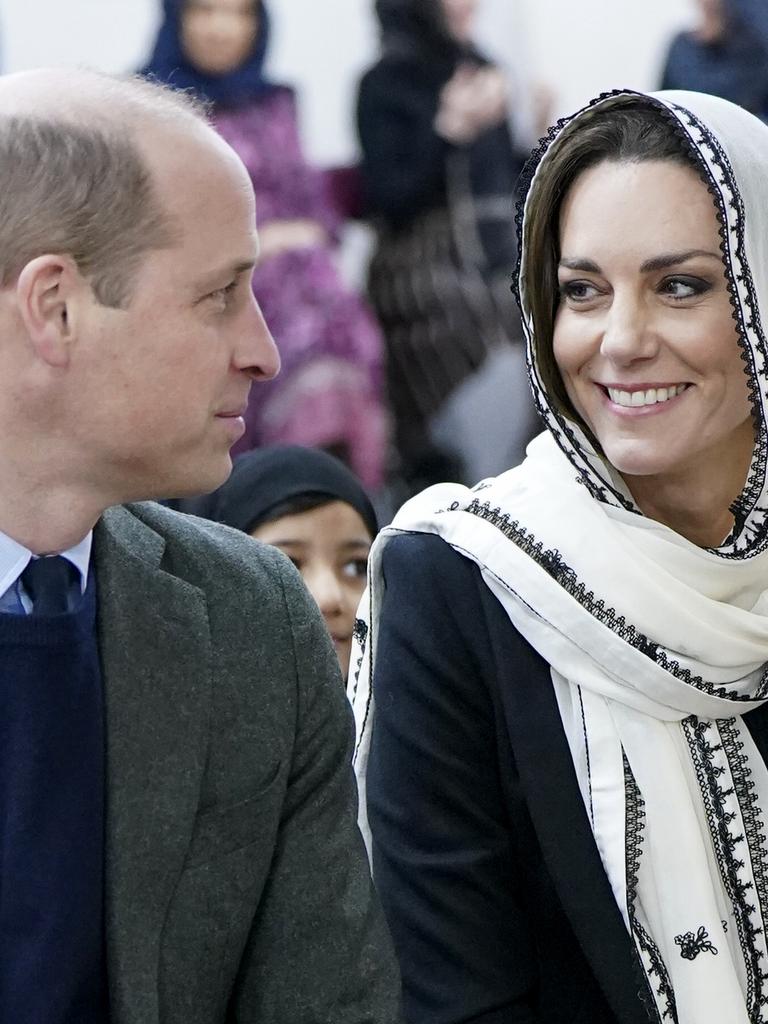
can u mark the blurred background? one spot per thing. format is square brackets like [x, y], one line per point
[322, 46]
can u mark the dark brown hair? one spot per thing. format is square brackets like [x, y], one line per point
[632, 131]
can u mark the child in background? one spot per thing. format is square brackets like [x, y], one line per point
[308, 504]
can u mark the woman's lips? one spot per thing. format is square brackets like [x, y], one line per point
[643, 399]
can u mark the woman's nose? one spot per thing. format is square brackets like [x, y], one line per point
[628, 334]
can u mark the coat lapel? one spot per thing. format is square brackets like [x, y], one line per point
[560, 820]
[156, 663]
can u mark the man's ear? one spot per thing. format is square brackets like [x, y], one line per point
[45, 291]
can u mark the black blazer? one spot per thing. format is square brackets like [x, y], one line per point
[493, 886]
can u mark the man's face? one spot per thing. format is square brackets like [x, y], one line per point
[165, 382]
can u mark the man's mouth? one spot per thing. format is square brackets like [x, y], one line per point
[230, 414]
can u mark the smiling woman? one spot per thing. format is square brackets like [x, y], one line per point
[646, 344]
[567, 666]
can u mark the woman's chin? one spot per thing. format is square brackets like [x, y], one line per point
[641, 459]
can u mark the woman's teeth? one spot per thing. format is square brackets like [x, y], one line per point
[651, 397]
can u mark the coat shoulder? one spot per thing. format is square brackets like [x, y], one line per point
[196, 549]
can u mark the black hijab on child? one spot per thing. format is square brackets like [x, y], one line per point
[267, 478]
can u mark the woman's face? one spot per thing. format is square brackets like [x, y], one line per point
[218, 35]
[329, 546]
[460, 17]
[644, 335]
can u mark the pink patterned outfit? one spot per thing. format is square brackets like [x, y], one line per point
[328, 393]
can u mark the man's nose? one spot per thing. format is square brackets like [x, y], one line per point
[256, 351]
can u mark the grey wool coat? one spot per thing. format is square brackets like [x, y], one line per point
[237, 887]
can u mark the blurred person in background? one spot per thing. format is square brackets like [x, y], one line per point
[308, 504]
[725, 54]
[328, 393]
[440, 169]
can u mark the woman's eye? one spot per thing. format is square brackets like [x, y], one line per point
[355, 569]
[684, 287]
[577, 291]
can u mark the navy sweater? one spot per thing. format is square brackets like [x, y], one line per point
[51, 819]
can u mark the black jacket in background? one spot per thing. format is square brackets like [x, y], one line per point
[406, 165]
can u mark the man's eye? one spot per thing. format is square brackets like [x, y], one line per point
[223, 294]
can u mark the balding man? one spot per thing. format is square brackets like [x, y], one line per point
[177, 816]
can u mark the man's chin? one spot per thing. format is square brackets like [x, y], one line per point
[202, 479]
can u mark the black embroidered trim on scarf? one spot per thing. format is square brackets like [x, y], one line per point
[360, 637]
[726, 841]
[662, 1005]
[552, 562]
[360, 634]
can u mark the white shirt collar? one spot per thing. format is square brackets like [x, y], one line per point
[14, 558]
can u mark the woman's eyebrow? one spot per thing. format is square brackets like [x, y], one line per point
[672, 259]
[662, 262]
[588, 266]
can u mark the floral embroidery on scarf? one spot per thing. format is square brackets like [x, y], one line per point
[691, 945]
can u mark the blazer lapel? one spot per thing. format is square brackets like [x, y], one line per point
[156, 664]
[560, 820]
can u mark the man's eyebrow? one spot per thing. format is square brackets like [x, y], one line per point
[227, 273]
[662, 262]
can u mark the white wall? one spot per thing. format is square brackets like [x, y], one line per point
[580, 47]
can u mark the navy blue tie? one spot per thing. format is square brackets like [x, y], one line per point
[48, 581]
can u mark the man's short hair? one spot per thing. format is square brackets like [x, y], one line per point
[85, 189]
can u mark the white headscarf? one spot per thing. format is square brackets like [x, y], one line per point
[657, 647]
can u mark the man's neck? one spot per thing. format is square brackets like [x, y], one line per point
[48, 520]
